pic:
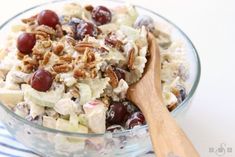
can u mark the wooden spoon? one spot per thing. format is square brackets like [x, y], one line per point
[167, 137]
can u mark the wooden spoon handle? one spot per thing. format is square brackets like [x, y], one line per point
[167, 137]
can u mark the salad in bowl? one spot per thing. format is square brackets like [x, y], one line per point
[68, 69]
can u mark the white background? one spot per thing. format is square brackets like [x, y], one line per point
[210, 121]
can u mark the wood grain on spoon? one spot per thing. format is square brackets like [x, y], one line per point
[167, 137]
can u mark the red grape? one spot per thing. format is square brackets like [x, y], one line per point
[101, 15]
[48, 18]
[41, 80]
[26, 42]
[136, 119]
[85, 28]
[117, 113]
[120, 73]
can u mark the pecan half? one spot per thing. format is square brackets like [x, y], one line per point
[113, 77]
[131, 59]
[82, 46]
[46, 58]
[62, 68]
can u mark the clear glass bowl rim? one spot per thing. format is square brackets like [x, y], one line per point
[66, 133]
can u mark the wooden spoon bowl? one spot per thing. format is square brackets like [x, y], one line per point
[167, 137]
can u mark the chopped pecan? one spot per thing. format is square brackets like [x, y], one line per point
[20, 55]
[82, 46]
[58, 49]
[29, 64]
[27, 68]
[78, 73]
[113, 77]
[62, 68]
[45, 29]
[131, 59]
[171, 107]
[87, 59]
[41, 35]
[112, 41]
[90, 65]
[59, 31]
[89, 8]
[30, 20]
[180, 92]
[106, 100]
[28, 60]
[57, 78]
[90, 56]
[46, 44]
[46, 58]
[37, 54]
[93, 73]
[66, 58]
[175, 91]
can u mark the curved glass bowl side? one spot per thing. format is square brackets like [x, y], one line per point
[59, 143]
[50, 144]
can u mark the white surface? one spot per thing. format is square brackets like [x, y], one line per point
[210, 24]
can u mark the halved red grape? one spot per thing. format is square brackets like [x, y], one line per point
[26, 42]
[48, 18]
[136, 119]
[120, 73]
[101, 15]
[85, 28]
[117, 113]
[41, 80]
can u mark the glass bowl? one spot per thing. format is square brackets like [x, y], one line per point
[54, 143]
